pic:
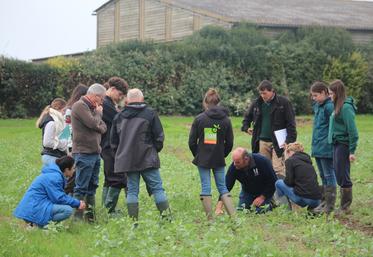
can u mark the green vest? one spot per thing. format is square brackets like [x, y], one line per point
[266, 128]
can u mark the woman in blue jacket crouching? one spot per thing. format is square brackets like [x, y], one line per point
[45, 200]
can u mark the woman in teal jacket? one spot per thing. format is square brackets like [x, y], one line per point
[343, 135]
[45, 200]
[321, 149]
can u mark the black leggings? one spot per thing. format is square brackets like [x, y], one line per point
[341, 163]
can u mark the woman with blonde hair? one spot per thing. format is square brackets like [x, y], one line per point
[51, 122]
[210, 141]
[300, 184]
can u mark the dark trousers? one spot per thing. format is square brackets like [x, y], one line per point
[341, 163]
[117, 180]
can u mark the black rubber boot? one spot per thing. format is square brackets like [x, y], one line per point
[133, 210]
[164, 210]
[112, 199]
[89, 214]
[104, 195]
[78, 214]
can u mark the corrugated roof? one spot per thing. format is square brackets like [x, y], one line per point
[336, 13]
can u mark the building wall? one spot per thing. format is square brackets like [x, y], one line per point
[153, 20]
[147, 20]
[362, 37]
[129, 19]
[105, 25]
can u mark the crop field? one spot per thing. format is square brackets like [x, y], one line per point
[278, 233]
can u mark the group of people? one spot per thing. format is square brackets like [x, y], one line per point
[91, 126]
[275, 174]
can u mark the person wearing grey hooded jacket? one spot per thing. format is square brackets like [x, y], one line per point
[136, 138]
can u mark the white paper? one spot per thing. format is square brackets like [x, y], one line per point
[281, 137]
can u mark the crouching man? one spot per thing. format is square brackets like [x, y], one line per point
[257, 178]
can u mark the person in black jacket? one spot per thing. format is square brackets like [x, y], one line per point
[268, 113]
[136, 138]
[210, 141]
[114, 182]
[300, 184]
[257, 178]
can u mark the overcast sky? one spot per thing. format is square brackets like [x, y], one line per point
[40, 28]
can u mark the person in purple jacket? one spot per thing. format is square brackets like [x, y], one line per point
[45, 200]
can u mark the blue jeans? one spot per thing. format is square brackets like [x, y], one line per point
[283, 189]
[48, 159]
[152, 180]
[327, 173]
[61, 212]
[87, 172]
[246, 200]
[219, 175]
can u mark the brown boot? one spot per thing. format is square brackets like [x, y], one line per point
[207, 203]
[346, 200]
[228, 203]
[295, 207]
[328, 206]
[330, 196]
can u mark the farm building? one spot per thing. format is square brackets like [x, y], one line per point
[167, 20]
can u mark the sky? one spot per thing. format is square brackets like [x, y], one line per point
[32, 29]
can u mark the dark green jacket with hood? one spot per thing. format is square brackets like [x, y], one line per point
[342, 128]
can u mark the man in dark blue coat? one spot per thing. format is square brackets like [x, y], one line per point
[257, 178]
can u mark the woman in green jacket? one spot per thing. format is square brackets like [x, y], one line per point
[344, 136]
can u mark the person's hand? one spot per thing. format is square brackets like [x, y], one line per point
[219, 208]
[352, 157]
[99, 108]
[249, 131]
[82, 205]
[259, 201]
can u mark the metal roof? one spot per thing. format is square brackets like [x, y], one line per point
[334, 13]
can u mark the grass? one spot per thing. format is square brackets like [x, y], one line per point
[279, 233]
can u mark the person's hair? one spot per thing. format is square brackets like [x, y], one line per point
[65, 162]
[57, 104]
[119, 84]
[106, 85]
[134, 94]
[295, 147]
[246, 154]
[211, 98]
[265, 85]
[96, 89]
[77, 93]
[339, 90]
[319, 87]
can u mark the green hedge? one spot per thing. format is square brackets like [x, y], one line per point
[174, 76]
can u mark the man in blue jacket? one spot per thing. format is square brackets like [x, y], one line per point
[257, 178]
[45, 200]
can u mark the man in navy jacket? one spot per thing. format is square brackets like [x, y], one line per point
[257, 178]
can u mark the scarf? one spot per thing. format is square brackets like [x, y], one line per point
[59, 125]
